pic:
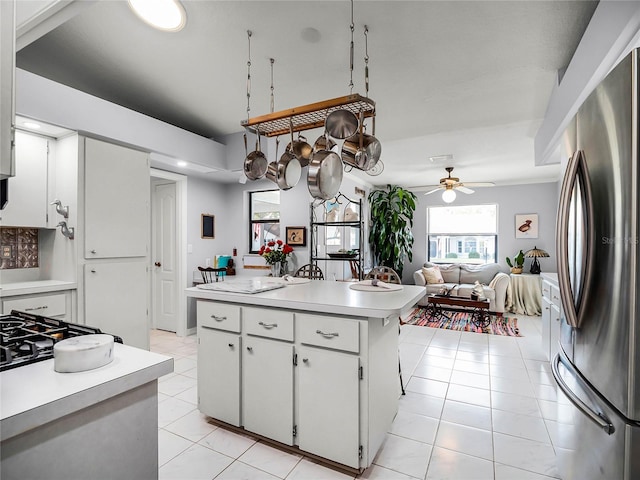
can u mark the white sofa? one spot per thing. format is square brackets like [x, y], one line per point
[461, 277]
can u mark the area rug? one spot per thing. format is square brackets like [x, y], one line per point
[461, 321]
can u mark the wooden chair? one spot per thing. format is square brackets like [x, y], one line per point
[310, 270]
[210, 273]
[388, 275]
[385, 274]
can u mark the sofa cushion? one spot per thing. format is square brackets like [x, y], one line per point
[450, 271]
[481, 273]
[432, 274]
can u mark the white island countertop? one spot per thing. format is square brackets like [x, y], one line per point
[323, 296]
[33, 395]
[36, 286]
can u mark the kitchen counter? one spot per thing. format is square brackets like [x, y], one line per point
[323, 296]
[311, 366]
[99, 417]
[38, 286]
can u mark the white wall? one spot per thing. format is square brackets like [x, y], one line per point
[541, 198]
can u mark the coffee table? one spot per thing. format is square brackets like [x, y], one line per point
[439, 305]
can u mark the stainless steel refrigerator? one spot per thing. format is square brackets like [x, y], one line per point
[598, 367]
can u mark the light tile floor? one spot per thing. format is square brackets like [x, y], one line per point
[478, 407]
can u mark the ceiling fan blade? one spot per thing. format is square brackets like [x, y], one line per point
[464, 189]
[479, 184]
[432, 191]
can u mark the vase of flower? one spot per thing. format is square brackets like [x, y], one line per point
[276, 269]
[276, 253]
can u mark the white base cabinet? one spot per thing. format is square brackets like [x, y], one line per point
[267, 388]
[219, 374]
[328, 404]
[551, 317]
[327, 384]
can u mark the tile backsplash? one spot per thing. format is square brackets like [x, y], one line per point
[18, 248]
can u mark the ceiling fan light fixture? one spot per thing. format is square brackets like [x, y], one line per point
[448, 195]
[165, 15]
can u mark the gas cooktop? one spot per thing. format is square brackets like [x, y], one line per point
[27, 338]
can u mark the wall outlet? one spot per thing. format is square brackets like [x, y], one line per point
[207, 262]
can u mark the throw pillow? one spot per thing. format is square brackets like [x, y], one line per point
[432, 275]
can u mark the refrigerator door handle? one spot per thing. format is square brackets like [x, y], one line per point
[597, 417]
[575, 211]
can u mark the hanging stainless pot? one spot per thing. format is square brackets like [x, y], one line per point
[255, 163]
[361, 150]
[323, 143]
[341, 124]
[285, 172]
[325, 174]
[301, 149]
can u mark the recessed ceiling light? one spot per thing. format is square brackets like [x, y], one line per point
[182, 163]
[33, 125]
[441, 158]
[167, 15]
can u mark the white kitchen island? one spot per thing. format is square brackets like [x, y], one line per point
[96, 424]
[311, 366]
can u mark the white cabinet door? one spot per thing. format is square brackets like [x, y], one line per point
[267, 388]
[554, 334]
[116, 300]
[546, 326]
[28, 204]
[219, 374]
[328, 409]
[116, 190]
[7, 87]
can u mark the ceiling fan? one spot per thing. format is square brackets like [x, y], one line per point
[449, 184]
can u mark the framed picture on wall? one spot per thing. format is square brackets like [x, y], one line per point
[527, 225]
[207, 226]
[297, 236]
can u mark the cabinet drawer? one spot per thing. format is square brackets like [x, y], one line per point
[330, 332]
[546, 289]
[218, 315]
[268, 323]
[48, 305]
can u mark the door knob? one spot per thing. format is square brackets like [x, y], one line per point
[158, 264]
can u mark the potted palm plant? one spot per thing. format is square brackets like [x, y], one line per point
[517, 264]
[390, 237]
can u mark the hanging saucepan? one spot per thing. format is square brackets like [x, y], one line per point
[361, 150]
[285, 172]
[255, 163]
[341, 124]
[301, 149]
[325, 174]
[323, 142]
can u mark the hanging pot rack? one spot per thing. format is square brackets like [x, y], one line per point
[309, 116]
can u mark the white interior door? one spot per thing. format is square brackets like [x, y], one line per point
[164, 255]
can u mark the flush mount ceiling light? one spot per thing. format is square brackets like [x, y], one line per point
[448, 195]
[166, 15]
[32, 125]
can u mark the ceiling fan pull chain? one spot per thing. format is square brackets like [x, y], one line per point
[351, 52]
[249, 75]
[272, 96]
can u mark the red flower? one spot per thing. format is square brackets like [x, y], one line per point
[279, 242]
[286, 249]
[261, 251]
[275, 251]
[271, 243]
[267, 250]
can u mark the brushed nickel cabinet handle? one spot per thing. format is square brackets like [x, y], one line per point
[268, 325]
[330, 334]
[218, 319]
[36, 308]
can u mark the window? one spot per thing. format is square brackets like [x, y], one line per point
[264, 218]
[465, 234]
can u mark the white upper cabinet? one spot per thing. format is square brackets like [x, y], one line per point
[7, 89]
[28, 203]
[116, 192]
